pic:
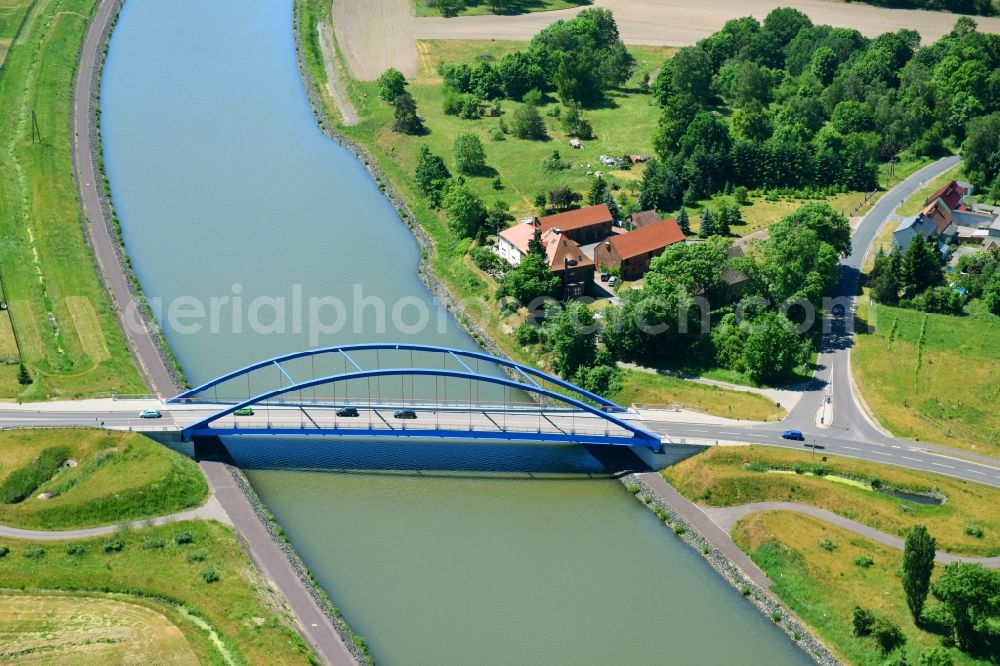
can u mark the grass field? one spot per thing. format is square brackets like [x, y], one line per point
[786, 547]
[717, 478]
[473, 7]
[70, 339]
[118, 477]
[645, 387]
[931, 377]
[170, 564]
[915, 203]
[88, 630]
[11, 14]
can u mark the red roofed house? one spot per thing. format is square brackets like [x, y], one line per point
[568, 261]
[633, 251]
[952, 194]
[583, 225]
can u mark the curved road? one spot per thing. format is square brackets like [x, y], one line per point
[726, 517]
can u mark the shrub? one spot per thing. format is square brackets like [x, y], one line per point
[154, 542]
[796, 636]
[485, 259]
[863, 561]
[758, 466]
[4, 551]
[633, 488]
[679, 529]
[862, 620]
[745, 591]
[197, 556]
[497, 134]
[828, 545]
[182, 538]
[974, 531]
[887, 635]
[936, 656]
[210, 575]
[34, 553]
[113, 545]
[75, 549]
[742, 195]
[776, 616]
[22, 482]
[526, 334]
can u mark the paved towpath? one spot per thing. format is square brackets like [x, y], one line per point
[727, 516]
[210, 510]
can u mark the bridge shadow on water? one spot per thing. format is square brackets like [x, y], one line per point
[421, 458]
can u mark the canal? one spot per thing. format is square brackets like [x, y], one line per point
[230, 198]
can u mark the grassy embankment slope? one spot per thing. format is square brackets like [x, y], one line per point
[473, 7]
[11, 15]
[717, 478]
[928, 376]
[823, 586]
[66, 332]
[168, 569]
[626, 124]
[118, 477]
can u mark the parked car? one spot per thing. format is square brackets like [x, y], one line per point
[150, 414]
[405, 414]
[793, 434]
[244, 411]
[605, 277]
[612, 281]
[347, 412]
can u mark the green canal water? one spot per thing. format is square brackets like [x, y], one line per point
[436, 553]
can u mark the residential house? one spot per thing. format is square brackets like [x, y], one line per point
[643, 219]
[512, 243]
[952, 194]
[632, 252]
[583, 225]
[909, 227]
[567, 260]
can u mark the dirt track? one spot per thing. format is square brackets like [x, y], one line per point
[376, 34]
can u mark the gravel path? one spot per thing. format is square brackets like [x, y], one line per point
[376, 34]
[210, 510]
[726, 517]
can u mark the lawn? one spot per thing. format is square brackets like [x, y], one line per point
[648, 388]
[916, 202]
[171, 564]
[90, 630]
[717, 478]
[118, 477]
[68, 334]
[931, 377]
[786, 546]
[473, 7]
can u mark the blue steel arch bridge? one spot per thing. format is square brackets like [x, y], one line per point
[385, 390]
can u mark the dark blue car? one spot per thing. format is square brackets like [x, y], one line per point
[793, 434]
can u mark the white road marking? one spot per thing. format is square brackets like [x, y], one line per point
[976, 471]
[945, 466]
[913, 459]
[880, 453]
[850, 448]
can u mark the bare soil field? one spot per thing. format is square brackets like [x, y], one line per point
[376, 34]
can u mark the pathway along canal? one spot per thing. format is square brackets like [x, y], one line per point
[225, 187]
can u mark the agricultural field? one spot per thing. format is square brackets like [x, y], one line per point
[204, 583]
[67, 335]
[787, 547]
[117, 477]
[966, 523]
[89, 630]
[931, 377]
[473, 7]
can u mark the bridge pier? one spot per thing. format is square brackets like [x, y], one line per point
[211, 448]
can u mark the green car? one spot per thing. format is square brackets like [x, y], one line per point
[244, 411]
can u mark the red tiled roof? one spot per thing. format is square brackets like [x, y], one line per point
[559, 249]
[647, 239]
[577, 219]
[939, 214]
[950, 193]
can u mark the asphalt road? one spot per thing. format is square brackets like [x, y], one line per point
[140, 339]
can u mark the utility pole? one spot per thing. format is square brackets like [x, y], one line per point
[35, 132]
